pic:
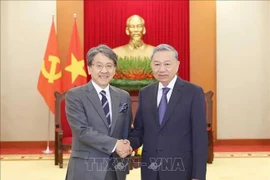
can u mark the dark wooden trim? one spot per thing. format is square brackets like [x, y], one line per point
[26, 144]
[242, 142]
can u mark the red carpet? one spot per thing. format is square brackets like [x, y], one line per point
[24, 150]
[257, 148]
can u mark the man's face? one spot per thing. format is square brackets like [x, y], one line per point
[135, 28]
[102, 70]
[164, 66]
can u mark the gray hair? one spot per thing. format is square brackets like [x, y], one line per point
[164, 47]
[103, 49]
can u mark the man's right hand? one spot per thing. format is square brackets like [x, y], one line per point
[123, 148]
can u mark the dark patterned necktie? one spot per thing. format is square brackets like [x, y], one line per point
[163, 104]
[106, 108]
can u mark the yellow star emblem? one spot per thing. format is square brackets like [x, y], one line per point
[76, 68]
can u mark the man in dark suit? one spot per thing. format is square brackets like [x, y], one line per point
[100, 118]
[170, 123]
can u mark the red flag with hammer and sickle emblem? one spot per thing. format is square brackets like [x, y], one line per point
[50, 74]
[75, 69]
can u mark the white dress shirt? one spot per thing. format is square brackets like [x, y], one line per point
[108, 96]
[160, 90]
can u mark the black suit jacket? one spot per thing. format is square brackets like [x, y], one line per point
[176, 149]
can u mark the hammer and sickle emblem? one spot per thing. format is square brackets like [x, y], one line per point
[51, 76]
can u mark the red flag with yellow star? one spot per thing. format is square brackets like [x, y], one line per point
[50, 75]
[75, 70]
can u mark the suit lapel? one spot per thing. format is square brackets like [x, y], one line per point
[153, 100]
[115, 106]
[175, 98]
[92, 95]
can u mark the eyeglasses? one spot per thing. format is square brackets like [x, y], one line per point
[108, 67]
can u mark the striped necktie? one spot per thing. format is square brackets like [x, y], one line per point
[106, 108]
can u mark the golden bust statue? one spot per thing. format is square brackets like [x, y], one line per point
[136, 47]
[133, 65]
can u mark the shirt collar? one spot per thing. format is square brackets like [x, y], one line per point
[170, 85]
[99, 89]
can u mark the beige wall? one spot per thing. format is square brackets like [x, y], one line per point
[243, 70]
[25, 27]
[269, 55]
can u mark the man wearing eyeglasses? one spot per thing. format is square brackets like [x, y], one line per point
[170, 123]
[100, 118]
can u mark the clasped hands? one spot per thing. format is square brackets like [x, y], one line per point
[123, 148]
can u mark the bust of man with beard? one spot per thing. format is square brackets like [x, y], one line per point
[136, 47]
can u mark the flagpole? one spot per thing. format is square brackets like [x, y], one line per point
[48, 151]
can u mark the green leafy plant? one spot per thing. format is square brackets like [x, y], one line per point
[133, 73]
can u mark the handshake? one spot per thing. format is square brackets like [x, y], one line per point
[123, 148]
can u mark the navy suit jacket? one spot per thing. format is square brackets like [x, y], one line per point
[176, 149]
